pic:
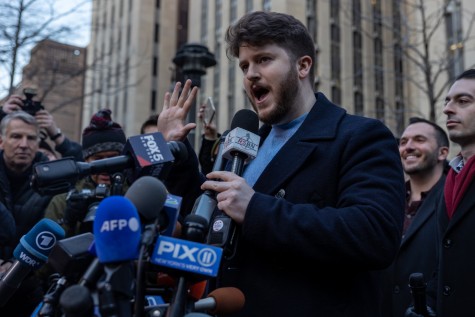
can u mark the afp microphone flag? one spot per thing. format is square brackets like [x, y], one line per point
[117, 230]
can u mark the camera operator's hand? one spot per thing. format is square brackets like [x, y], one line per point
[76, 210]
[46, 121]
[411, 313]
[13, 103]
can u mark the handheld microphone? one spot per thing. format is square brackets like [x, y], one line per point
[418, 291]
[116, 230]
[222, 301]
[117, 233]
[146, 154]
[148, 195]
[242, 142]
[196, 224]
[240, 146]
[76, 301]
[30, 254]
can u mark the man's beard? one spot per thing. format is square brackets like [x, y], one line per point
[425, 166]
[287, 92]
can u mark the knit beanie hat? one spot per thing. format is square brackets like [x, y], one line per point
[102, 134]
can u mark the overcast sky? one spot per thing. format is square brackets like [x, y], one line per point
[80, 17]
[79, 20]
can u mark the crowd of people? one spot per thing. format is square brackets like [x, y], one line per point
[333, 214]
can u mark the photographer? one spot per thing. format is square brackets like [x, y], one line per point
[47, 124]
[102, 139]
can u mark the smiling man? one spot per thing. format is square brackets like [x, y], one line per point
[423, 147]
[320, 209]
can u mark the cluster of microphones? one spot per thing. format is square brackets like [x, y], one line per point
[132, 264]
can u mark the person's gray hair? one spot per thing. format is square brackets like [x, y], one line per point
[18, 115]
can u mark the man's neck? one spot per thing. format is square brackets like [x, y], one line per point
[423, 182]
[467, 152]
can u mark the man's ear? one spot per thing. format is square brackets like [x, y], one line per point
[1, 142]
[304, 66]
[443, 153]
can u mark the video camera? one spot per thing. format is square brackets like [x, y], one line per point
[29, 105]
[90, 199]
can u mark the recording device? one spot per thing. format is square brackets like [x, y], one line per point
[29, 105]
[221, 301]
[76, 301]
[209, 111]
[148, 194]
[117, 232]
[70, 256]
[91, 199]
[242, 142]
[240, 146]
[196, 224]
[30, 254]
[145, 154]
[418, 291]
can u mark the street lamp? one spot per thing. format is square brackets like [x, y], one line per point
[193, 59]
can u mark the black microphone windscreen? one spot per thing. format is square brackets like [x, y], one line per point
[247, 120]
[179, 151]
[76, 300]
[148, 194]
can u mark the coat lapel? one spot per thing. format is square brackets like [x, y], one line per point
[426, 210]
[321, 124]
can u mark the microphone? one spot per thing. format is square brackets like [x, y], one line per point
[76, 301]
[242, 142]
[148, 195]
[240, 146]
[116, 230]
[222, 301]
[70, 256]
[146, 154]
[30, 254]
[418, 291]
[117, 233]
[196, 224]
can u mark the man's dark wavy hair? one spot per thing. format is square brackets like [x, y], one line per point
[261, 28]
[468, 74]
[440, 134]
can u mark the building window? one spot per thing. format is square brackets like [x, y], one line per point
[153, 105]
[454, 33]
[358, 100]
[380, 109]
[249, 5]
[156, 33]
[336, 95]
[266, 5]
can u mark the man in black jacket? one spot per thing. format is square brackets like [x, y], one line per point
[20, 207]
[423, 147]
[456, 211]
